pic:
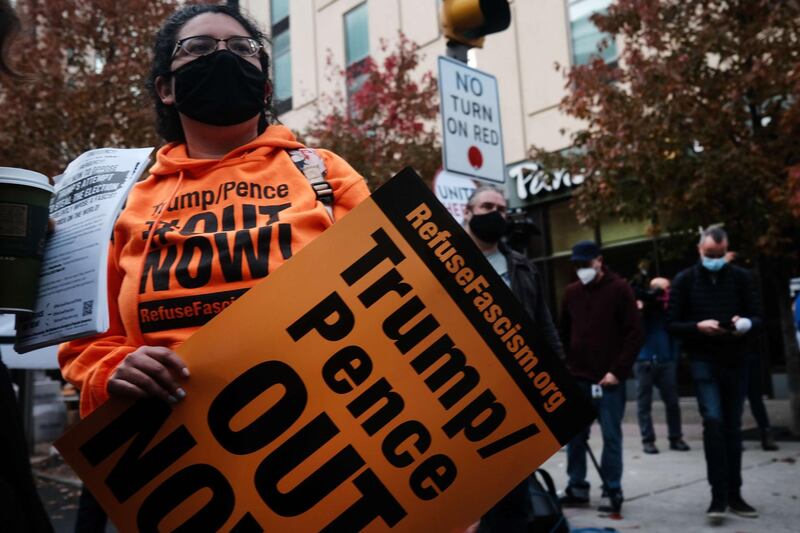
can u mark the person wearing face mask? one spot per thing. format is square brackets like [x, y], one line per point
[601, 332]
[714, 310]
[486, 223]
[225, 204]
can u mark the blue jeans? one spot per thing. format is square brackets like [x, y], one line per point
[663, 376]
[610, 409]
[721, 388]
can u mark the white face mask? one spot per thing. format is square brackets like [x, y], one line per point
[586, 275]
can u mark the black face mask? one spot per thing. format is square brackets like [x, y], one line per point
[488, 227]
[221, 89]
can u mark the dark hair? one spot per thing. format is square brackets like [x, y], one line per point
[716, 233]
[168, 122]
[9, 26]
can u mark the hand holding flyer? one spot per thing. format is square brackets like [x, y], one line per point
[72, 290]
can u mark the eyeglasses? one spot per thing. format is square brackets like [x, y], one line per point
[202, 45]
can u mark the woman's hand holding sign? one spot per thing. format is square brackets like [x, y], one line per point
[150, 371]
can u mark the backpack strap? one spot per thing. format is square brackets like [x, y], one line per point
[310, 163]
[548, 482]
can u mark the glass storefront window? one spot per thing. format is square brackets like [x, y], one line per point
[563, 273]
[564, 228]
[614, 230]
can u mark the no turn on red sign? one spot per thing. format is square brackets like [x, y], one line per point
[472, 134]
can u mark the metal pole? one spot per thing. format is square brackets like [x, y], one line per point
[457, 51]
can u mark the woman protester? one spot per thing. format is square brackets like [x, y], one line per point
[225, 204]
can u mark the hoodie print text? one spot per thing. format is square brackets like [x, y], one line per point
[227, 243]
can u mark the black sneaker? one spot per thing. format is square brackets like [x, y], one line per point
[716, 511]
[649, 447]
[570, 499]
[615, 500]
[768, 441]
[679, 445]
[740, 507]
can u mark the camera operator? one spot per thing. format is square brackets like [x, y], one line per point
[657, 365]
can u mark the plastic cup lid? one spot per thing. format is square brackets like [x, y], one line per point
[20, 176]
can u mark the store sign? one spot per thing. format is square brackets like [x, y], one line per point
[529, 181]
[453, 191]
[384, 378]
[472, 134]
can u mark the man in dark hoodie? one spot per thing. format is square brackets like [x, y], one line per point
[601, 333]
[714, 310]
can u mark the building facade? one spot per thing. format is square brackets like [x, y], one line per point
[309, 37]
[306, 32]
[523, 58]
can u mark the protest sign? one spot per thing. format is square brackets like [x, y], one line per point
[383, 378]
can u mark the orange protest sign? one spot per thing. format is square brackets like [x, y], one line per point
[383, 378]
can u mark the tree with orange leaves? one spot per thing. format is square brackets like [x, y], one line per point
[83, 64]
[697, 122]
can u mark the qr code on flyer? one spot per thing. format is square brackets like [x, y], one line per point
[88, 306]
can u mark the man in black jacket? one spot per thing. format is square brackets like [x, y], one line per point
[713, 309]
[485, 221]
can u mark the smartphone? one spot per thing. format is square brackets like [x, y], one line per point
[597, 391]
[728, 326]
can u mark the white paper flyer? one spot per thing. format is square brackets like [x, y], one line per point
[72, 300]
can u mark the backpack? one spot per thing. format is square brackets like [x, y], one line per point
[546, 515]
[310, 163]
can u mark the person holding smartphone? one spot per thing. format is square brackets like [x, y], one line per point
[713, 309]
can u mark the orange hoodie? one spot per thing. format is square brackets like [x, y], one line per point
[220, 226]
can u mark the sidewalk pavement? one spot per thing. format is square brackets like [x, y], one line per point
[664, 493]
[668, 492]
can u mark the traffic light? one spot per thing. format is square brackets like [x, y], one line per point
[467, 21]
